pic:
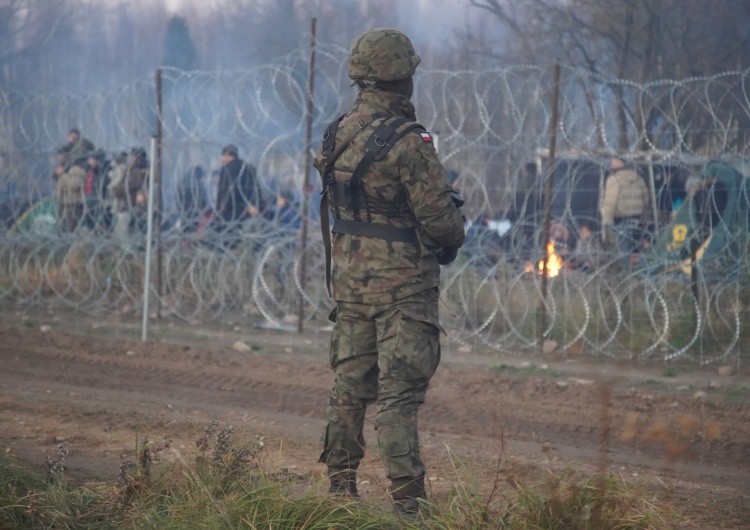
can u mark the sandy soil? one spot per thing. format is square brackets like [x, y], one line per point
[689, 435]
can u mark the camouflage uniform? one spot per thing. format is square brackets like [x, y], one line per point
[385, 342]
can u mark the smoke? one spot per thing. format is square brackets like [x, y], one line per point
[431, 24]
[95, 63]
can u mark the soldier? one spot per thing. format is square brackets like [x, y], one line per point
[395, 222]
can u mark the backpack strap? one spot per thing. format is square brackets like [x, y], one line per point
[377, 147]
[331, 154]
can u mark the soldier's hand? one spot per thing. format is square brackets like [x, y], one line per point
[447, 255]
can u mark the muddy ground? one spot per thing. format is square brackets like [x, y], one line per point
[684, 432]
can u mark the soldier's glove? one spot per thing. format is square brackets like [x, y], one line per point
[447, 255]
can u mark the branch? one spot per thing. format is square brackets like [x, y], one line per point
[493, 6]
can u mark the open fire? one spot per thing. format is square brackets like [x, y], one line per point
[554, 263]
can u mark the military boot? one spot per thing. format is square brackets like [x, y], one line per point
[409, 497]
[343, 483]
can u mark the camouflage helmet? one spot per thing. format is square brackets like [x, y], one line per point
[382, 54]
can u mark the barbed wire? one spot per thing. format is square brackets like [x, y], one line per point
[492, 128]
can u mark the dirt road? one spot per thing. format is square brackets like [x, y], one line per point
[98, 394]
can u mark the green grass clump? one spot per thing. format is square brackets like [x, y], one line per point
[737, 394]
[669, 372]
[524, 370]
[225, 486]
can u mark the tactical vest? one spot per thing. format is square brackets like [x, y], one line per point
[350, 196]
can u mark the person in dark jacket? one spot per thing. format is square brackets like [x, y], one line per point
[238, 197]
[192, 199]
[77, 146]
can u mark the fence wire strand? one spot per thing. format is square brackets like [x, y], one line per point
[492, 126]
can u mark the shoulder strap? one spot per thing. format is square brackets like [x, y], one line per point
[377, 147]
[332, 153]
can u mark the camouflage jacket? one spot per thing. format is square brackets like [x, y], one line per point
[372, 270]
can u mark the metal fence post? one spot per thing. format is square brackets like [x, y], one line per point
[149, 233]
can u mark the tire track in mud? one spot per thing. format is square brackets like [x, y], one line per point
[490, 407]
[155, 379]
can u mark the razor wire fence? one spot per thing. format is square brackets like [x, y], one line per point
[681, 293]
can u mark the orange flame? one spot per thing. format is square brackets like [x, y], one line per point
[554, 263]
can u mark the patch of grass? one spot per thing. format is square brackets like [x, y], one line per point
[225, 486]
[736, 394]
[29, 323]
[254, 347]
[669, 372]
[524, 370]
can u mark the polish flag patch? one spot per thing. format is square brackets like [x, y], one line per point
[425, 136]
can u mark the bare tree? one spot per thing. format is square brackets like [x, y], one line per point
[27, 30]
[638, 40]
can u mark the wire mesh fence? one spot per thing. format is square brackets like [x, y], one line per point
[676, 292]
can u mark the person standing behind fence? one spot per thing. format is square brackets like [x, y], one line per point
[285, 215]
[129, 184]
[192, 200]
[395, 221]
[238, 197]
[77, 146]
[95, 189]
[625, 204]
[588, 250]
[69, 192]
[116, 176]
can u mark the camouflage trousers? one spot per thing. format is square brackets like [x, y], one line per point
[385, 355]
